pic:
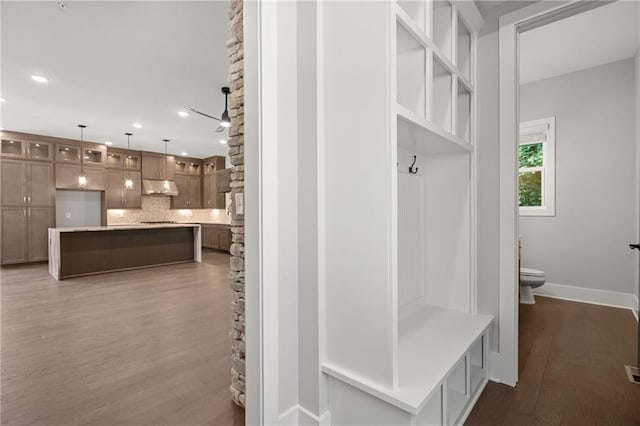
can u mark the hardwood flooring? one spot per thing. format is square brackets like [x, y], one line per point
[149, 346]
[571, 369]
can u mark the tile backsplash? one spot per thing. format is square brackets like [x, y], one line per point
[157, 207]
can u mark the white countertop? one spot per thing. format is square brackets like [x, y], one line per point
[125, 227]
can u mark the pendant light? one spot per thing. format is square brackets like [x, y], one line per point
[225, 120]
[128, 182]
[166, 165]
[82, 178]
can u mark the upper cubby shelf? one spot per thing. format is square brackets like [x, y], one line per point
[442, 42]
[424, 137]
[442, 33]
[410, 72]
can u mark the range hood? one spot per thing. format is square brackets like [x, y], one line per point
[159, 187]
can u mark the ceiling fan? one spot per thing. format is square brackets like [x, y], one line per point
[224, 121]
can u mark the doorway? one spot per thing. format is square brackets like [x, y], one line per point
[521, 160]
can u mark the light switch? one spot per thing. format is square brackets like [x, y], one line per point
[67, 215]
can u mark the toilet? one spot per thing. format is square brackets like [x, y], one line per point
[530, 279]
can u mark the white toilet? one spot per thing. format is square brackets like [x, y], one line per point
[530, 279]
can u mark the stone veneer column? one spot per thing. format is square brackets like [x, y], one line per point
[236, 152]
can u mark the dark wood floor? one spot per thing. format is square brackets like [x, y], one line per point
[572, 358]
[140, 347]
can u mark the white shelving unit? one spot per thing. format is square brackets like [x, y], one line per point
[403, 343]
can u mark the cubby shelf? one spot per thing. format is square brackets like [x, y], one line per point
[424, 137]
[414, 29]
[401, 332]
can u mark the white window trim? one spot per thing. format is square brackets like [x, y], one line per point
[543, 130]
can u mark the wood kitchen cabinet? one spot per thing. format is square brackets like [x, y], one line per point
[216, 236]
[24, 234]
[67, 177]
[27, 183]
[28, 197]
[117, 195]
[189, 192]
[212, 198]
[123, 159]
[157, 166]
[28, 149]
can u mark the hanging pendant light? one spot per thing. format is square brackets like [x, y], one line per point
[225, 121]
[82, 178]
[166, 166]
[128, 182]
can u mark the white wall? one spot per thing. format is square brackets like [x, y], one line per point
[586, 243]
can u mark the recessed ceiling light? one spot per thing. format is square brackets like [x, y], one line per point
[223, 141]
[3, 100]
[137, 125]
[183, 113]
[39, 78]
[108, 143]
[184, 154]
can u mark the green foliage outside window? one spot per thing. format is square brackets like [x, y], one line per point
[530, 194]
[530, 155]
[530, 183]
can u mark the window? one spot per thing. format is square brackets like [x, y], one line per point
[536, 168]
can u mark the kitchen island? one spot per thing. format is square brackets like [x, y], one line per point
[98, 249]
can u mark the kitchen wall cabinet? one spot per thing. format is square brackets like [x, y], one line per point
[216, 236]
[123, 159]
[159, 167]
[24, 234]
[212, 197]
[27, 183]
[67, 177]
[188, 166]
[27, 149]
[189, 192]
[94, 155]
[117, 195]
[67, 153]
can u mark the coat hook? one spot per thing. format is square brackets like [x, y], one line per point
[411, 169]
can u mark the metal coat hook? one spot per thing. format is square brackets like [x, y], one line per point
[411, 169]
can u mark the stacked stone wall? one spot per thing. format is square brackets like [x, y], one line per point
[236, 153]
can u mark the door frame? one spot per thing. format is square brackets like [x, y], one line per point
[511, 26]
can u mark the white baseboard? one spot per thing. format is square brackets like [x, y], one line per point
[500, 369]
[300, 416]
[289, 417]
[587, 295]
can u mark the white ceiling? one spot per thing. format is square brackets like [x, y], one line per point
[112, 64]
[600, 36]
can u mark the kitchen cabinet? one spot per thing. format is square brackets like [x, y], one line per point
[216, 236]
[94, 155]
[117, 195]
[68, 153]
[123, 159]
[159, 167]
[11, 147]
[212, 198]
[67, 177]
[189, 192]
[188, 166]
[39, 150]
[27, 183]
[27, 149]
[24, 234]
